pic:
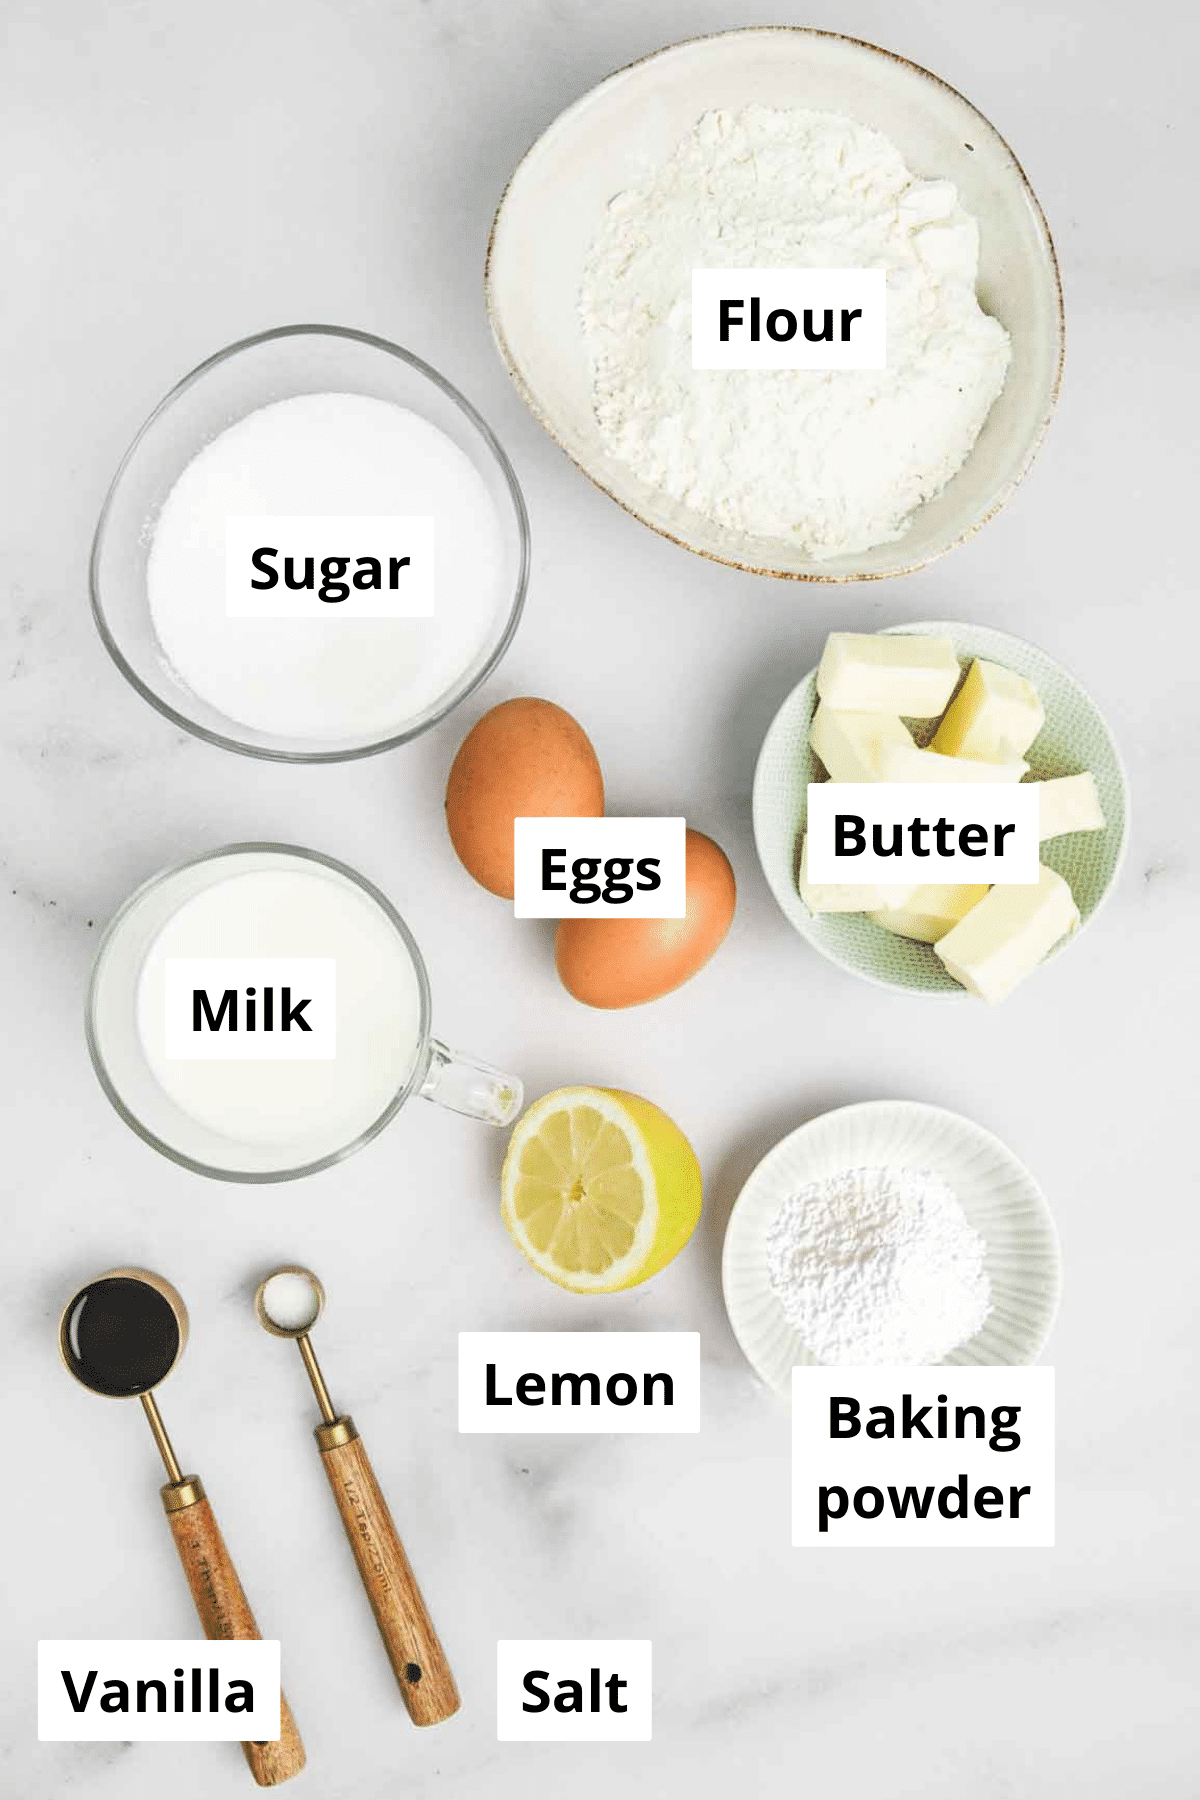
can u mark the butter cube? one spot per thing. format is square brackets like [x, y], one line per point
[900, 764]
[994, 715]
[1005, 937]
[910, 677]
[848, 896]
[850, 744]
[1069, 804]
[931, 910]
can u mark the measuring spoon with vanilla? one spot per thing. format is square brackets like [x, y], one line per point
[120, 1336]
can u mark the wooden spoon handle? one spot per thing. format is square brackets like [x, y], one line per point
[225, 1613]
[426, 1684]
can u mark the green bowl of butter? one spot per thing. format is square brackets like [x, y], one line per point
[1074, 737]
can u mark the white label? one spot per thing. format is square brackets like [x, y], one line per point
[250, 1009]
[789, 319]
[894, 1458]
[573, 1690]
[602, 868]
[154, 1690]
[945, 831]
[329, 568]
[595, 1381]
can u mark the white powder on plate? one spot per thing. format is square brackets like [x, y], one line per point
[878, 1266]
[832, 462]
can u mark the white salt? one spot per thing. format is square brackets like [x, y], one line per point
[290, 1301]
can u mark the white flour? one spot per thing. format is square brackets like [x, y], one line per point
[878, 1266]
[833, 462]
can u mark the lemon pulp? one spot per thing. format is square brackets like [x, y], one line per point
[600, 1188]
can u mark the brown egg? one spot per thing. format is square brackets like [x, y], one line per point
[525, 759]
[625, 962]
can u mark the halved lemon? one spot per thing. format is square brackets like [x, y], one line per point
[600, 1189]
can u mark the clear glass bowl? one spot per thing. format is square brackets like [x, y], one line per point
[295, 359]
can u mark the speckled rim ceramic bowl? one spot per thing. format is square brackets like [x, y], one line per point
[554, 202]
[1074, 737]
[277, 365]
[1000, 1197]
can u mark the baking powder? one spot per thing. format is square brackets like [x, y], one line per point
[878, 1266]
[831, 461]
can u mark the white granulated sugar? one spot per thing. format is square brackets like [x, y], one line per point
[322, 678]
[832, 461]
[878, 1266]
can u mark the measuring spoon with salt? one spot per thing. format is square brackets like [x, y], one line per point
[289, 1301]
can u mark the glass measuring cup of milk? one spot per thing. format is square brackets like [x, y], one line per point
[262, 1012]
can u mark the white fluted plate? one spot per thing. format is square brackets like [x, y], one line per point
[998, 1194]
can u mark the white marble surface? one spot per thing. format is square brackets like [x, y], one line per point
[178, 176]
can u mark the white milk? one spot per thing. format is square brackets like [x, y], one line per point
[325, 678]
[320, 1106]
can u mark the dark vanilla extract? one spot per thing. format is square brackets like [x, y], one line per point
[122, 1336]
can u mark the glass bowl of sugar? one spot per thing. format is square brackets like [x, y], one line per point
[313, 550]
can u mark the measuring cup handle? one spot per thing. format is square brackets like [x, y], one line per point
[426, 1683]
[474, 1088]
[225, 1613]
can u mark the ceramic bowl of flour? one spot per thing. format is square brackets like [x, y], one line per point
[540, 262]
[1000, 1198]
[1075, 736]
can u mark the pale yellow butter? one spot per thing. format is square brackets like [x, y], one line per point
[1070, 803]
[931, 910]
[848, 897]
[909, 676]
[850, 744]
[1005, 937]
[900, 764]
[994, 716]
